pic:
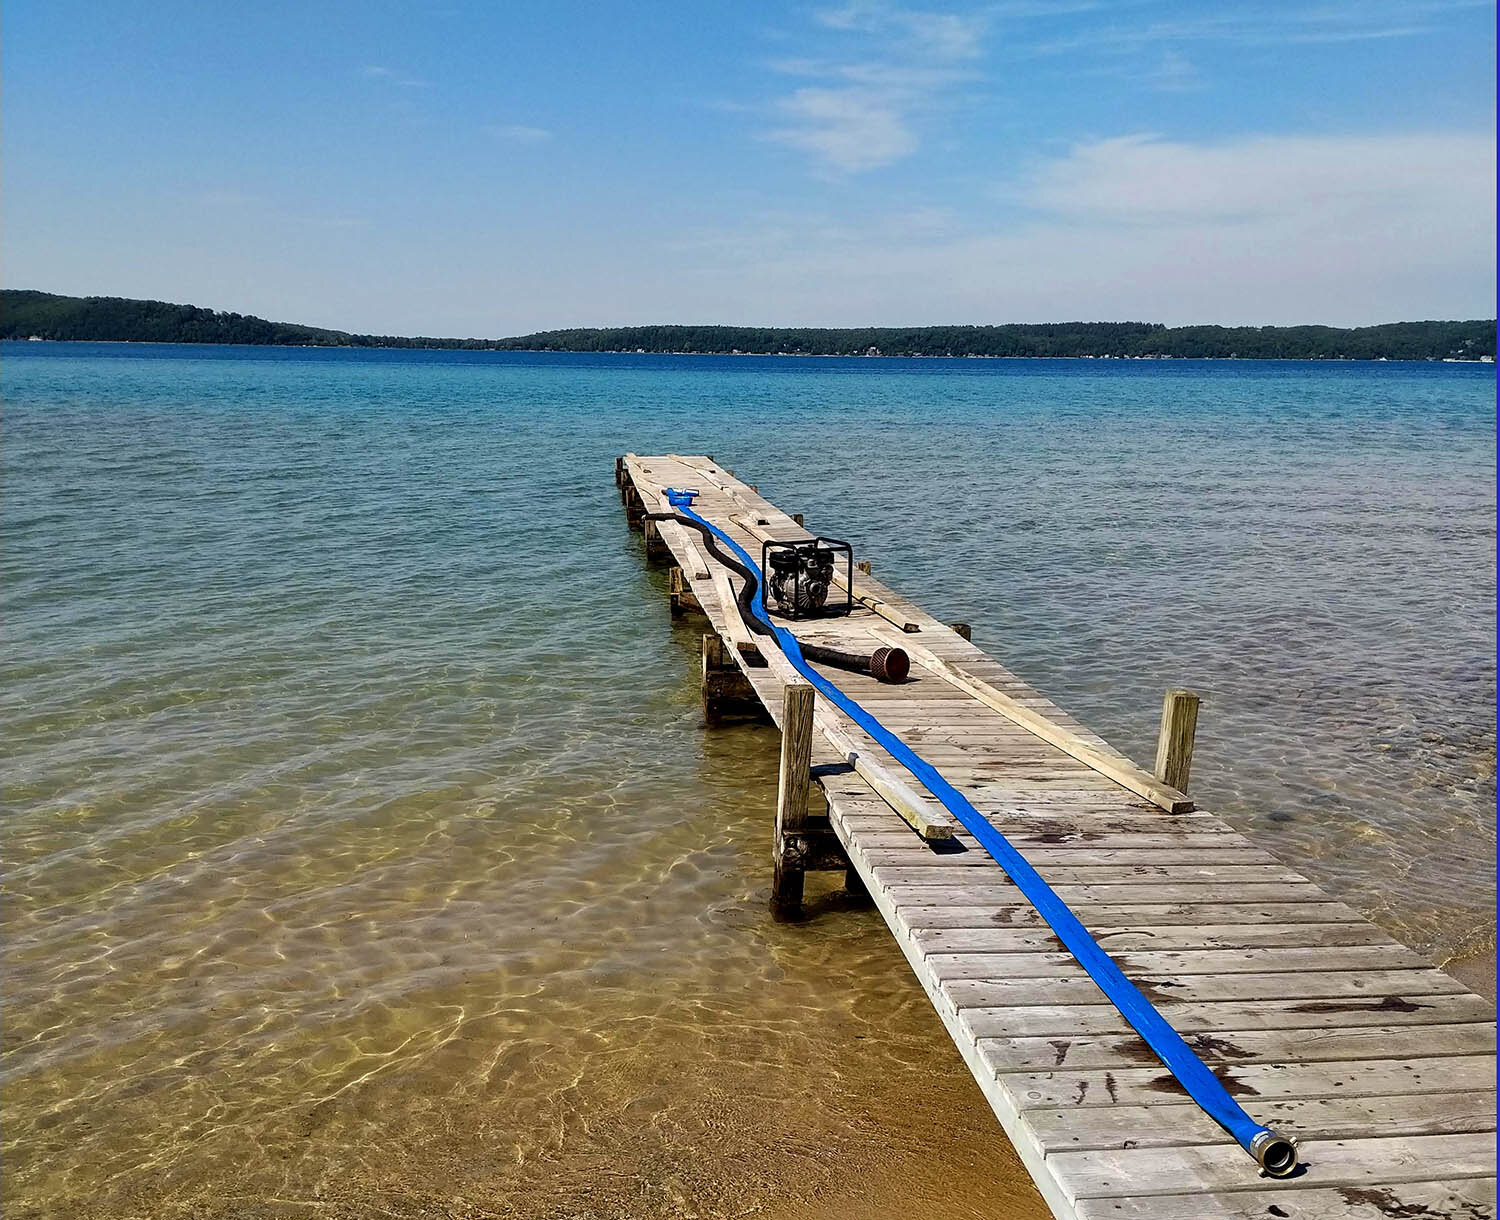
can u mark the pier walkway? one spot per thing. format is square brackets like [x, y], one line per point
[1319, 1023]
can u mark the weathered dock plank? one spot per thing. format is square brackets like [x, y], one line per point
[1319, 1022]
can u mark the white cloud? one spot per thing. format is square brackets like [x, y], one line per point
[1342, 21]
[1303, 182]
[519, 133]
[1345, 230]
[845, 129]
[862, 112]
[942, 36]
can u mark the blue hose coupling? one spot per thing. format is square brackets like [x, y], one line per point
[1276, 1153]
[683, 498]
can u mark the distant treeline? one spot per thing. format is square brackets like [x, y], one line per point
[24, 314]
[1394, 341]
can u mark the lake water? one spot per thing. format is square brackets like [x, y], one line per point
[364, 848]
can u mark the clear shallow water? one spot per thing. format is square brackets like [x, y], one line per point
[363, 847]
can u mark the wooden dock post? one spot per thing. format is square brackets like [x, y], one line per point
[724, 686]
[864, 566]
[654, 545]
[675, 585]
[790, 850]
[962, 630]
[619, 471]
[1174, 744]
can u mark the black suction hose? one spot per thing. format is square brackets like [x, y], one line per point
[886, 664]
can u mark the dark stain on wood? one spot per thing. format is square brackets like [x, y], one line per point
[1234, 1086]
[1157, 989]
[1387, 1203]
[1136, 1050]
[1390, 1003]
[1221, 1048]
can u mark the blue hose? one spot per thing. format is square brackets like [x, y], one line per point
[1276, 1153]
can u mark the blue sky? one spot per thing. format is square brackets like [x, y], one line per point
[488, 169]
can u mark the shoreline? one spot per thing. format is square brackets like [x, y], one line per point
[545, 351]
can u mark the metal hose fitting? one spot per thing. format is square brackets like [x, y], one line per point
[1276, 1153]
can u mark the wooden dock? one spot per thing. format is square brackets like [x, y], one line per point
[1320, 1024]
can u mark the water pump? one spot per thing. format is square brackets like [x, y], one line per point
[797, 576]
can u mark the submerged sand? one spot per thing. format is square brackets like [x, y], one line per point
[1476, 972]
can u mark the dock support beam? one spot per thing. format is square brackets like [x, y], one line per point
[790, 851]
[654, 545]
[962, 630]
[1174, 744]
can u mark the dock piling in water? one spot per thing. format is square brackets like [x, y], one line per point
[1174, 741]
[725, 689]
[680, 597]
[795, 781]
[652, 535]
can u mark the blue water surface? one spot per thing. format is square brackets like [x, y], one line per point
[364, 842]
[1310, 545]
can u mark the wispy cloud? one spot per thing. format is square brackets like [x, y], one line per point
[1173, 73]
[945, 37]
[861, 110]
[519, 133]
[846, 130]
[1323, 182]
[1347, 21]
[393, 77]
[1269, 229]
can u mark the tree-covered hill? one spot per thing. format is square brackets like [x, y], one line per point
[121, 320]
[24, 314]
